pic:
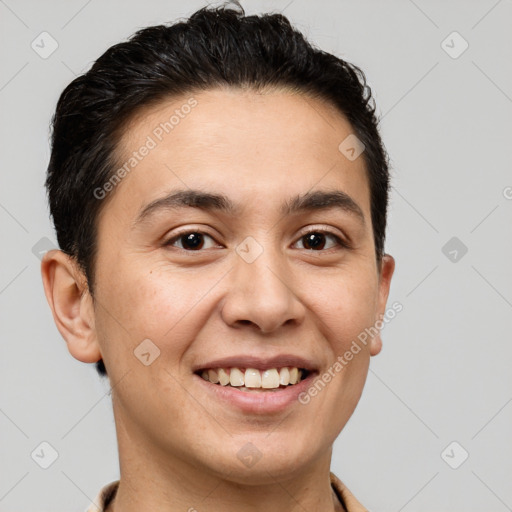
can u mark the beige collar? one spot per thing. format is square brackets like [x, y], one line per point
[347, 499]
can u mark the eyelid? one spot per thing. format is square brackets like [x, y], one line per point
[185, 231]
[341, 240]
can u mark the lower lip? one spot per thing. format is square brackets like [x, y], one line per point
[258, 402]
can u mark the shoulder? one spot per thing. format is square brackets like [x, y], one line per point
[346, 497]
[104, 497]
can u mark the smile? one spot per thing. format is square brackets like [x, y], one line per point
[252, 379]
[254, 391]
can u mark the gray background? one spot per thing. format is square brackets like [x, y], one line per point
[444, 372]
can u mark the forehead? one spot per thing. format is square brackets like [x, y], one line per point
[242, 143]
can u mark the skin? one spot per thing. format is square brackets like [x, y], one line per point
[178, 447]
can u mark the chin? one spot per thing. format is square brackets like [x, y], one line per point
[260, 460]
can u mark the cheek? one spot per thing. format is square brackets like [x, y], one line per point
[346, 306]
[136, 305]
[164, 306]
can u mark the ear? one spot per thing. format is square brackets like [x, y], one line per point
[67, 293]
[386, 273]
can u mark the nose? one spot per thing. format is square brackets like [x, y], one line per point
[262, 293]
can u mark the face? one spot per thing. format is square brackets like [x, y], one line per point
[278, 271]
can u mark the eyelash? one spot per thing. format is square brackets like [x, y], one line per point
[340, 242]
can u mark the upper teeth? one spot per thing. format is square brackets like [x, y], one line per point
[253, 378]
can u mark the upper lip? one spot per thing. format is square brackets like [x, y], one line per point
[258, 363]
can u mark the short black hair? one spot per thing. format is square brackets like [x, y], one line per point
[214, 47]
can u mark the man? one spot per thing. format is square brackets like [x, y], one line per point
[219, 191]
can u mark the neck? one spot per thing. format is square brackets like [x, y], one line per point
[152, 481]
[260, 498]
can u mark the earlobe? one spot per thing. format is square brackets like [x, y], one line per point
[386, 273]
[376, 345]
[67, 294]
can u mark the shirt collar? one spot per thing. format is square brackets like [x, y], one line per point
[347, 499]
[104, 497]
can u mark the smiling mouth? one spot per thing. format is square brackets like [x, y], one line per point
[254, 380]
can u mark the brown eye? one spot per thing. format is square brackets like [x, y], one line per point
[316, 240]
[190, 240]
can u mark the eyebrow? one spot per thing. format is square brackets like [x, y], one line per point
[310, 201]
